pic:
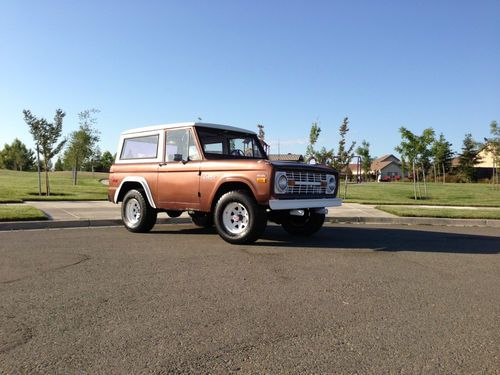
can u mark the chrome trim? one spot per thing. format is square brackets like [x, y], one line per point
[144, 184]
[277, 188]
[290, 204]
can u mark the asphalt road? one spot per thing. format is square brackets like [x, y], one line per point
[351, 300]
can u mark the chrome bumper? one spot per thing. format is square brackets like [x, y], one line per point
[290, 204]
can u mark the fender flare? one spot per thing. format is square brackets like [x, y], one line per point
[233, 179]
[140, 180]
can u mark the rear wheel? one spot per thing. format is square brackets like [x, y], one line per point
[238, 218]
[137, 215]
[305, 225]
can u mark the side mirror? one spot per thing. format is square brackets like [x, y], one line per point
[177, 157]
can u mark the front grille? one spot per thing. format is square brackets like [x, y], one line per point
[306, 182]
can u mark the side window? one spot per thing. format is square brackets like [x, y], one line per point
[181, 143]
[145, 147]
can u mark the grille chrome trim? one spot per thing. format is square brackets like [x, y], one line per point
[306, 182]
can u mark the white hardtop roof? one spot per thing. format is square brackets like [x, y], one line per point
[184, 124]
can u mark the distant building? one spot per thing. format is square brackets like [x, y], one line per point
[287, 157]
[484, 169]
[387, 168]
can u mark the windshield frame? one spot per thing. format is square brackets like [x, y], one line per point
[227, 134]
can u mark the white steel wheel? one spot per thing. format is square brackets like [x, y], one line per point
[238, 218]
[133, 211]
[235, 218]
[137, 213]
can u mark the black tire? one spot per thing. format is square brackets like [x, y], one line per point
[238, 218]
[173, 213]
[305, 225]
[203, 220]
[137, 215]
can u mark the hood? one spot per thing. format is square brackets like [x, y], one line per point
[295, 165]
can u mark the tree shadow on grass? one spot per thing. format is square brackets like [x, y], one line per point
[374, 238]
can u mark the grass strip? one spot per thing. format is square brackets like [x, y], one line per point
[447, 213]
[20, 212]
[22, 186]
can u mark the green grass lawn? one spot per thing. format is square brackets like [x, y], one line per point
[20, 212]
[443, 212]
[20, 186]
[451, 194]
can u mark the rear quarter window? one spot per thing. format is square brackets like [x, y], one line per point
[145, 147]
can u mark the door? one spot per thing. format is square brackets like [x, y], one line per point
[178, 176]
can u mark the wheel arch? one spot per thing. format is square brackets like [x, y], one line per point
[231, 185]
[134, 182]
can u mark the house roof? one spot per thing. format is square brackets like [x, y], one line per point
[383, 161]
[286, 157]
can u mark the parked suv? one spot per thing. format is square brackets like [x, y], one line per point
[221, 176]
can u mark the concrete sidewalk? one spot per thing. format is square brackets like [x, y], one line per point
[64, 214]
[95, 210]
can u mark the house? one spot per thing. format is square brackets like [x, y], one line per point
[488, 161]
[287, 157]
[387, 168]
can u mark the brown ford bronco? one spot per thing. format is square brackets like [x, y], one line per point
[221, 176]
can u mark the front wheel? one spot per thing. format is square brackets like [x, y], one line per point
[137, 215]
[239, 219]
[305, 225]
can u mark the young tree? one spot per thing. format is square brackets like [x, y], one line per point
[46, 136]
[107, 161]
[82, 143]
[344, 154]
[441, 156]
[469, 157]
[366, 159]
[408, 148]
[17, 156]
[59, 166]
[425, 142]
[416, 150]
[322, 156]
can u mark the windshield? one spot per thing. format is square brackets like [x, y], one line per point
[225, 144]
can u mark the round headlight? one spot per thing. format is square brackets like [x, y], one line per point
[282, 182]
[331, 184]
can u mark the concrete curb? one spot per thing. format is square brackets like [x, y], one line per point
[86, 223]
[416, 221]
[59, 224]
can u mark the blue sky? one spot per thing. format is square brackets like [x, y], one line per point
[284, 64]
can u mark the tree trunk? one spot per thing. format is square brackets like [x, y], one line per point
[75, 172]
[38, 170]
[417, 178]
[345, 187]
[47, 186]
[414, 180]
[435, 174]
[425, 181]
[444, 175]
